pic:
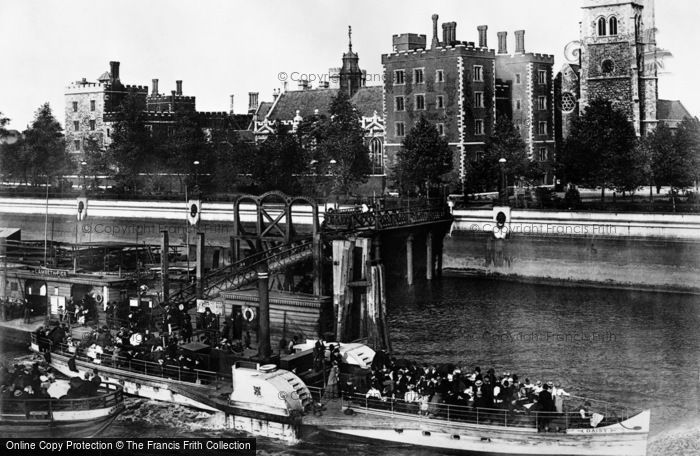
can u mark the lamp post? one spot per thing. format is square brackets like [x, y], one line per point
[504, 196]
[83, 164]
[331, 172]
[314, 169]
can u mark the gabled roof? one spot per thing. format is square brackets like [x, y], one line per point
[304, 101]
[671, 110]
[263, 109]
[367, 100]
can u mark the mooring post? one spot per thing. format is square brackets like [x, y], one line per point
[317, 247]
[429, 258]
[264, 347]
[200, 264]
[409, 259]
[164, 266]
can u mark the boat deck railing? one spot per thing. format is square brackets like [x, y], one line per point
[519, 418]
[139, 366]
[109, 395]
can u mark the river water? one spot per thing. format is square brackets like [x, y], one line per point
[639, 349]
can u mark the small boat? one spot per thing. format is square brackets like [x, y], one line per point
[61, 417]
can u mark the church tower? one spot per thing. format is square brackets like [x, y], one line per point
[351, 76]
[618, 58]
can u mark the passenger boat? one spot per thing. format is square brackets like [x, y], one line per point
[484, 431]
[193, 388]
[56, 417]
[274, 402]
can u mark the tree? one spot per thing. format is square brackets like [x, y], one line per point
[278, 162]
[3, 121]
[423, 160]
[132, 148]
[98, 162]
[44, 148]
[686, 143]
[185, 145]
[601, 150]
[484, 172]
[233, 156]
[339, 141]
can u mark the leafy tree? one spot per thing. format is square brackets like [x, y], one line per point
[278, 162]
[233, 156]
[601, 150]
[484, 172]
[98, 162]
[132, 148]
[185, 145]
[423, 160]
[686, 143]
[339, 140]
[44, 148]
[3, 121]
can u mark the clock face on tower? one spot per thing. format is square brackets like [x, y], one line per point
[607, 67]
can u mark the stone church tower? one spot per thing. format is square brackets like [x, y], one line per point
[618, 58]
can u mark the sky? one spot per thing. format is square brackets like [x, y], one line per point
[224, 47]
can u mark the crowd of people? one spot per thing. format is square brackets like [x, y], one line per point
[35, 381]
[428, 389]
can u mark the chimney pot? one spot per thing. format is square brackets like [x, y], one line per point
[114, 70]
[231, 108]
[520, 41]
[154, 93]
[436, 41]
[252, 102]
[178, 86]
[446, 34]
[483, 35]
[502, 42]
[453, 32]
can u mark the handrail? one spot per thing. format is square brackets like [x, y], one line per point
[153, 369]
[479, 415]
[109, 398]
[240, 268]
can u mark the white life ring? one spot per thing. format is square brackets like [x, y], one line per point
[249, 313]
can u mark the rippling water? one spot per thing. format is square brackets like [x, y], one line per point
[636, 348]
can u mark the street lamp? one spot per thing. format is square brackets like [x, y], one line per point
[196, 172]
[83, 164]
[504, 196]
[314, 170]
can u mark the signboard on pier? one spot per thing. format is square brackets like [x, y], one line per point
[216, 307]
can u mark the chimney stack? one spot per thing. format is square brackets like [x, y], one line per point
[520, 41]
[446, 34]
[502, 42]
[453, 32]
[436, 41]
[252, 102]
[178, 87]
[483, 37]
[114, 70]
[154, 92]
[303, 84]
[231, 108]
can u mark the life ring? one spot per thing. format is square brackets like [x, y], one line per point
[98, 298]
[249, 313]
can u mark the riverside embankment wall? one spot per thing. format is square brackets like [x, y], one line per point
[649, 251]
[658, 252]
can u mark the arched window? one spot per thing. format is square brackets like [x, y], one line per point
[376, 157]
[613, 26]
[602, 26]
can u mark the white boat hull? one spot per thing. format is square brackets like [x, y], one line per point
[626, 438]
[134, 384]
